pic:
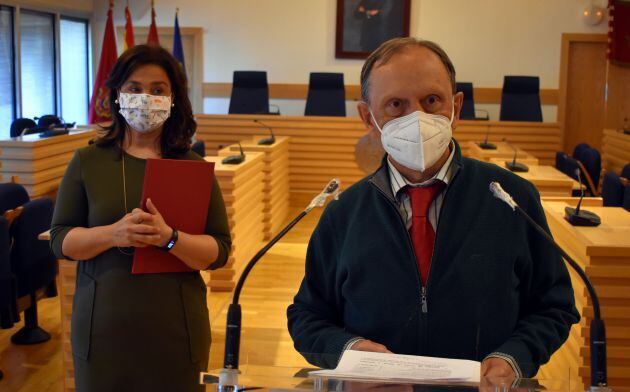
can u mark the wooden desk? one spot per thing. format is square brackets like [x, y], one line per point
[39, 163]
[550, 181]
[242, 186]
[615, 150]
[604, 252]
[503, 152]
[323, 147]
[526, 161]
[276, 169]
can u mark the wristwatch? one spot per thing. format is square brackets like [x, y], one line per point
[171, 243]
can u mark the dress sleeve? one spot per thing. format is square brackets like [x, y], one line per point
[217, 226]
[71, 207]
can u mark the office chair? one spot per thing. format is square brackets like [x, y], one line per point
[590, 163]
[520, 99]
[250, 93]
[326, 95]
[19, 125]
[48, 120]
[33, 265]
[12, 196]
[561, 161]
[612, 190]
[625, 172]
[578, 149]
[199, 147]
[8, 301]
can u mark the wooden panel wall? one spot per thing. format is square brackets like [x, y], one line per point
[615, 150]
[353, 92]
[323, 147]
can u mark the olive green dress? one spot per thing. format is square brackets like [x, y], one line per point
[129, 332]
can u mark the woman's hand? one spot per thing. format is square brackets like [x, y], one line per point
[161, 231]
[134, 229]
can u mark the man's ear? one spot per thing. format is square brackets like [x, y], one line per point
[368, 121]
[458, 101]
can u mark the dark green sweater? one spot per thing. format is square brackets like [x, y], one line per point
[495, 285]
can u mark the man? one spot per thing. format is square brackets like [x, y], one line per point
[419, 258]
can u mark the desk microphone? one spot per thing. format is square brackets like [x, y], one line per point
[514, 166]
[486, 145]
[577, 217]
[598, 330]
[235, 159]
[268, 141]
[228, 376]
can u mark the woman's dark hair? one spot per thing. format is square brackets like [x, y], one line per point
[179, 127]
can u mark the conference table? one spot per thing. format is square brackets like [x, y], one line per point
[604, 252]
[503, 151]
[548, 180]
[40, 163]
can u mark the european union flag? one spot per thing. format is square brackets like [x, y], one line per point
[178, 49]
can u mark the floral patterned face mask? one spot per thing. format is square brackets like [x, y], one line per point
[144, 112]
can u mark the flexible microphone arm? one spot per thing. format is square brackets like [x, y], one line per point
[578, 173]
[512, 147]
[598, 331]
[228, 377]
[269, 141]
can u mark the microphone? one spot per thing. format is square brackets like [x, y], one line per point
[228, 376]
[235, 159]
[485, 145]
[598, 330]
[577, 217]
[268, 141]
[514, 166]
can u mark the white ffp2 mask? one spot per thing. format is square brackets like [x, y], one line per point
[417, 140]
[144, 112]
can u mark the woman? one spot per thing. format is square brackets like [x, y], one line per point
[129, 332]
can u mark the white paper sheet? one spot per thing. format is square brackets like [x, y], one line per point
[379, 366]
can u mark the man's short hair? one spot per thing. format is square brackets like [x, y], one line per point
[389, 48]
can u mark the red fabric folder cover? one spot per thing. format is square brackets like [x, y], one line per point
[180, 190]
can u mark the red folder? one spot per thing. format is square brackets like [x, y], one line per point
[180, 190]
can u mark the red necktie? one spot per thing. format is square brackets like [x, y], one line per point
[422, 233]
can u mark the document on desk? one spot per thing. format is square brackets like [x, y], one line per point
[379, 366]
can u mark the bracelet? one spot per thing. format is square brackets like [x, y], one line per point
[171, 243]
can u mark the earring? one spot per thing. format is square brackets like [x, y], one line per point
[172, 105]
[116, 101]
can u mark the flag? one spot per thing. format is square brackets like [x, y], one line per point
[619, 32]
[153, 34]
[99, 104]
[178, 49]
[129, 42]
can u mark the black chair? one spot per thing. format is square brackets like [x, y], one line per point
[561, 161]
[612, 190]
[579, 148]
[626, 198]
[590, 163]
[520, 99]
[326, 95]
[625, 172]
[12, 196]
[8, 305]
[34, 267]
[468, 107]
[47, 121]
[199, 147]
[20, 124]
[250, 93]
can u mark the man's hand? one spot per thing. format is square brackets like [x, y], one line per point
[368, 345]
[496, 371]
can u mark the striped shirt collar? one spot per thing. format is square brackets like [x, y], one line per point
[445, 174]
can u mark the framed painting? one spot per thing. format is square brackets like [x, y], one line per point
[362, 25]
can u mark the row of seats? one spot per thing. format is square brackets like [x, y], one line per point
[27, 266]
[520, 98]
[250, 94]
[27, 126]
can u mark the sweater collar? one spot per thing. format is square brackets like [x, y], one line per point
[381, 178]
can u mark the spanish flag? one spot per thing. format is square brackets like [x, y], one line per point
[153, 34]
[129, 43]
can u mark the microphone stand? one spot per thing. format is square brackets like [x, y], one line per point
[235, 159]
[597, 335]
[516, 167]
[268, 141]
[576, 216]
[228, 376]
[485, 145]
